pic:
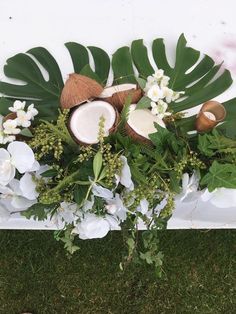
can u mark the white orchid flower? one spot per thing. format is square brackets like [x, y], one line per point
[67, 213]
[92, 227]
[17, 105]
[28, 187]
[32, 111]
[115, 207]
[102, 192]
[176, 95]
[158, 75]
[155, 93]
[23, 118]
[159, 109]
[125, 175]
[190, 186]
[4, 213]
[143, 206]
[164, 81]
[221, 197]
[17, 156]
[10, 127]
[14, 195]
[168, 94]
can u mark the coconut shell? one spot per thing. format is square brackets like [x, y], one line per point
[10, 116]
[19, 137]
[78, 89]
[113, 129]
[137, 137]
[118, 99]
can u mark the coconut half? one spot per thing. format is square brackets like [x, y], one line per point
[140, 124]
[84, 121]
[78, 89]
[117, 95]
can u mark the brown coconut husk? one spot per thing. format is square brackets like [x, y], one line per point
[78, 89]
[137, 137]
[19, 137]
[118, 99]
[9, 116]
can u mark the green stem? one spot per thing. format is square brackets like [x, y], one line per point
[66, 181]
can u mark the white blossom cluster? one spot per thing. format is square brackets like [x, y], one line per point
[160, 94]
[11, 127]
[18, 194]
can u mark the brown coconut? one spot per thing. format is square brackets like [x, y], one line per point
[78, 89]
[140, 124]
[117, 95]
[75, 119]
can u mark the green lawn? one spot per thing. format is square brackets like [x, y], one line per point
[36, 276]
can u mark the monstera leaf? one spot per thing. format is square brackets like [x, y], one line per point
[198, 78]
[45, 93]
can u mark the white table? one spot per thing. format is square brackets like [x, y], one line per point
[209, 26]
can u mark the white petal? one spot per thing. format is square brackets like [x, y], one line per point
[22, 156]
[92, 227]
[5, 190]
[113, 222]
[144, 206]
[185, 181]
[28, 187]
[35, 167]
[21, 203]
[4, 213]
[15, 186]
[125, 176]
[102, 192]
[7, 170]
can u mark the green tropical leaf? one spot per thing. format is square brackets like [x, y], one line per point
[87, 71]
[141, 82]
[197, 78]
[140, 58]
[144, 102]
[159, 56]
[122, 66]
[220, 175]
[79, 55]
[102, 63]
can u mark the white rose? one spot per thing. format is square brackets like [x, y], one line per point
[92, 227]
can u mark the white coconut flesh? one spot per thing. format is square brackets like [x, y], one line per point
[109, 91]
[142, 121]
[84, 122]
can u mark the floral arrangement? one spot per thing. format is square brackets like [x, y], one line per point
[95, 155]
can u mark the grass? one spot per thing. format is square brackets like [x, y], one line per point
[36, 276]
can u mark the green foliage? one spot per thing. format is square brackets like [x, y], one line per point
[164, 139]
[67, 237]
[214, 143]
[220, 175]
[122, 66]
[143, 103]
[97, 165]
[151, 253]
[39, 211]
